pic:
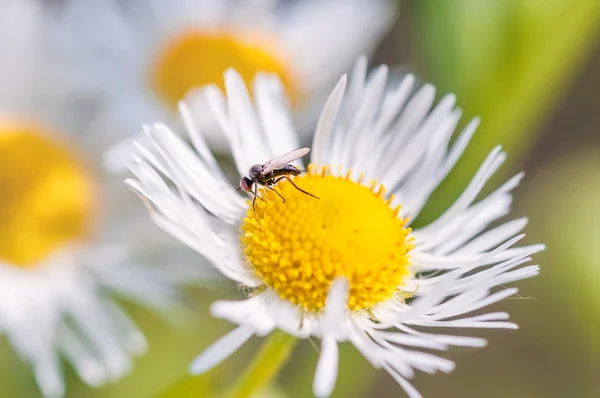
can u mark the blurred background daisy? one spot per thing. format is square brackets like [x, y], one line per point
[141, 56]
[70, 244]
[528, 68]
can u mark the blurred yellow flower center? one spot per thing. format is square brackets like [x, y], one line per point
[299, 247]
[46, 198]
[194, 59]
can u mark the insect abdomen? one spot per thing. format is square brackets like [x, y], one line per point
[289, 169]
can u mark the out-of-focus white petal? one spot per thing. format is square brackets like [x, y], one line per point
[221, 349]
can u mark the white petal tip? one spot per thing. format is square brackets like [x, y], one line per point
[148, 128]
[339, 283]
[322, 391]
[118, 367]
[409, 78]
[232, 74]
[429, 89]
[197, 367]
[217, 309]
[321, 394]
[138, 344]
[183, 106]
[115, 160]
[92, 374]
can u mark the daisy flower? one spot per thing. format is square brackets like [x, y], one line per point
[66, 233]
[345, 266]
[141, 57]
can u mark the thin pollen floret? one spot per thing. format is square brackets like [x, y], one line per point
[298, 248]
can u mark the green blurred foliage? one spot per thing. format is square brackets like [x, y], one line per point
[190, 387]
[564, 207]
[508, 61]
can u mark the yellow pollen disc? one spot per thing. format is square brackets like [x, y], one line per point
[46, 198]
[194, 59]
[299, 247]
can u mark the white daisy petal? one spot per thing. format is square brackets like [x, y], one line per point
[357, 85]
[196, 176]
[198, 139]
[489, 166]
[221, 349]
[327, 368]
[248, 141]
[409, 388]
[270, 104]
[364, 117]
[459, 341]
[89, 368]
[317, 266]
[47, 375]
[385, 338]
[392, 105]
[408, 123]
[252, 311]
[324, 129]
[336, 306]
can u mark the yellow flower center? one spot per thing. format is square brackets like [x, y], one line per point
[194, 59]
[46, 198]
[299, 247]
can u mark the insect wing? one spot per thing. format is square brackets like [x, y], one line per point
[284, 160]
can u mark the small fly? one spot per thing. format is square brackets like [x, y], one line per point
[273, 171]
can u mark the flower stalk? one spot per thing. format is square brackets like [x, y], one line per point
[265, 366]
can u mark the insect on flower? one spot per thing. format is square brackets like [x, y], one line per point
[273, 171]
[347, 268]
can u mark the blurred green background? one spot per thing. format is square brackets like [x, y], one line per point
[531, 69]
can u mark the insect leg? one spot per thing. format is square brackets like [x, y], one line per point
[274, 190]
[255, 193]
[296, 186]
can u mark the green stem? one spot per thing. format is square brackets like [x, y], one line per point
[265, 366]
